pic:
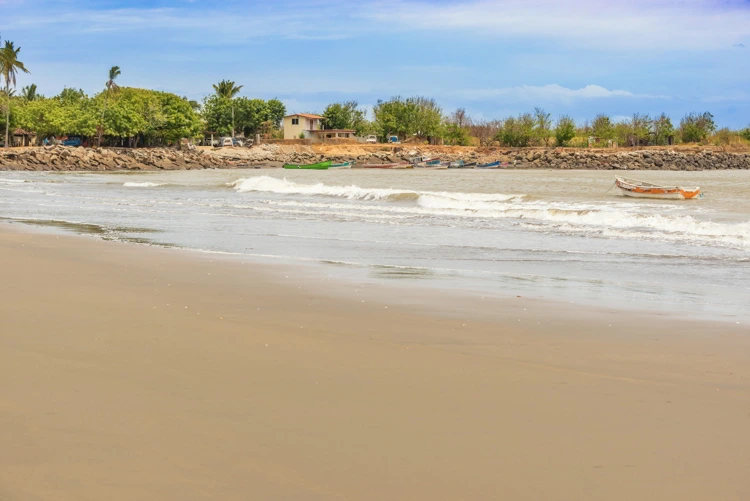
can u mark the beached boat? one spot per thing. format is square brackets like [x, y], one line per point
[431, 163]
[642, 189]
[458, 164]
[432, 166]
[342, 165]
[402, 165]
[316, 166]
[492, 165]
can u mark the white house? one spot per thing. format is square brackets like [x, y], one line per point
[301, 123]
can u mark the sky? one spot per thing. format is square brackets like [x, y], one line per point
[492, 57]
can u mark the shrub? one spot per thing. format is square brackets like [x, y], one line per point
[565, 130]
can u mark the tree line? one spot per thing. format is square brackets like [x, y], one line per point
[422, 118]
[142, 117]
[127, 115]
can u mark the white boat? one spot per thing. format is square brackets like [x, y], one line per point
[642, 189]
[342, 165]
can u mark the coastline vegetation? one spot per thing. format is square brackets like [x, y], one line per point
[127, 116]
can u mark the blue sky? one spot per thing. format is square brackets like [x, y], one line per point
[493, 58]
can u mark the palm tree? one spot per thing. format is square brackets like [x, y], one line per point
[226, 89]
[111, 86]
[9, 68]
[28, 93]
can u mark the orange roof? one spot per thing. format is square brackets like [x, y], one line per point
[306, 115]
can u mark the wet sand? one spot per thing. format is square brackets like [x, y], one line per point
[129, 372]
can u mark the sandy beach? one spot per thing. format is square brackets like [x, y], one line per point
[129, 372]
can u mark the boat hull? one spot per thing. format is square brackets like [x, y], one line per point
[639, 189]
[493, 165]
[386, 166]
[343, 165]
[315, 166]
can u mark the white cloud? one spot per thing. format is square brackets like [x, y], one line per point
[550, 92]
[657, 26]
[654, 25]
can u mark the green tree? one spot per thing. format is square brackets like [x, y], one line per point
[276, 112]
[193, 103]
[640, 128]
[152, 117]
[745, 133]
[565, 130]
[517, 131]
[456, 128]
[110, 87]
[602, 127]
[415, 116]
[663, 129]
[696, 127]
[217, 114]
[226, 89]
[345, 115]
[251, 113]
[543, 126]
[9, 68]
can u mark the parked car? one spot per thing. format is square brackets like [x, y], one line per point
[393, 140]
[236, 142]
[226, 141]
[72, 141]
[372, 138]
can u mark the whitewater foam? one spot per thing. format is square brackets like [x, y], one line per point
[283, 186]
[142, 185]
[611, 219]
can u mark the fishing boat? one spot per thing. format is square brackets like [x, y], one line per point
[432, 165]
[342, 165]
[642, 189]
[458, 164]
[491, 165]
[401, 165]
[316, 166]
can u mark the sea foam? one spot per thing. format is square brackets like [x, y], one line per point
[285, 187]
[610, 220]
[142, 185]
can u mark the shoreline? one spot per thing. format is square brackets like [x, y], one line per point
[132, 372]
[431, 299]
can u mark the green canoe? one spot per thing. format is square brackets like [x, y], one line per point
[317, 166]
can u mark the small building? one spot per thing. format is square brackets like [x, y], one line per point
[323, 135]
[23, 138]
[301, 124]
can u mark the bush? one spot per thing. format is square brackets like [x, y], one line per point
[695, 127]
[565, 130]
[517, 132]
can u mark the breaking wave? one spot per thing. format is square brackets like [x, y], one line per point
[282, 186]
[608, 220]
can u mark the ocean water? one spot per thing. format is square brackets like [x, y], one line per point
[559, 235]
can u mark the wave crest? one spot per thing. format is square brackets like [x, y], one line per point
[283, 186]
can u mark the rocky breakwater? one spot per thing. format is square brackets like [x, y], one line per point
[63, 158]
[536, 158]
[661, 159]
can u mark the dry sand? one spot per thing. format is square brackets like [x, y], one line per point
[134, 373]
